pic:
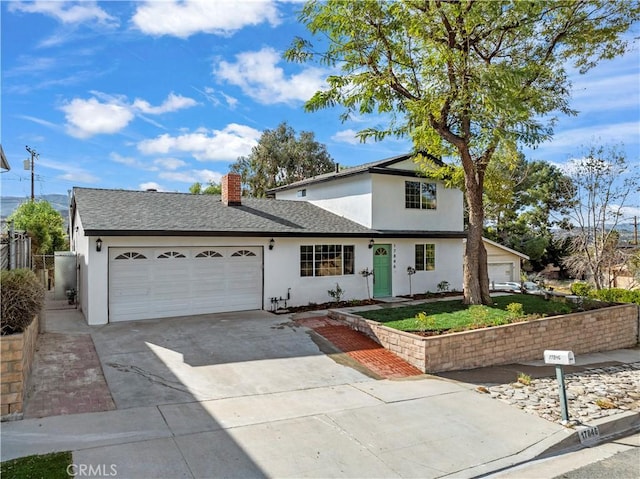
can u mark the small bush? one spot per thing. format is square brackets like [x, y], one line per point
[581, 289]
[22, 297]
[479, 316]
[515, 310]
[337, 293]
[425, 322]
[443, 286]
[524, 379]
[616, 295]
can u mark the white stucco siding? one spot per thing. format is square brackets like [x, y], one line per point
[349, 197]
[281, 268]
[449, 258]
[282, 271]
[80, 245]
[390, 213]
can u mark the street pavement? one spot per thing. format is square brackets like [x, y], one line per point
[253, 395]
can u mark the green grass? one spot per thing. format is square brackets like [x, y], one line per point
[457, 316]
[46, 466]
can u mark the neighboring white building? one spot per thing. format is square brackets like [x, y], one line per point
[504, 263]
[146, 254]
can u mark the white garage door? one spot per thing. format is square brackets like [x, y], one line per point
[163, 282]
[500, 272]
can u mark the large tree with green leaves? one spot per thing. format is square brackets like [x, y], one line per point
[523, 201]
[280, 158]
[210, 188]
[43, 223]
[460, 77]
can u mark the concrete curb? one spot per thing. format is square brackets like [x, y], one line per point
[561, 442]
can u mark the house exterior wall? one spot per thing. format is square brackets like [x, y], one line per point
[390, 213]
[281, 268]
[349, 197]
[80, 245]
[378, 201]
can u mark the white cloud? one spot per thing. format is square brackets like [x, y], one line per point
[132, 162]
[258, 76]
[347, 136]
[185, 18]
[108, 114]
[86, 118]
[71, 172]
[66, 12]
[226, 144]
[193, 176]
[151, 185]
[172, 103]
[169, 163]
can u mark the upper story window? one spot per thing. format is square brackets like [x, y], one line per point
[420, 195]
[302, 193]
[327, 260]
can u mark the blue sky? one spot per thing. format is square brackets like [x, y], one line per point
[162, 94]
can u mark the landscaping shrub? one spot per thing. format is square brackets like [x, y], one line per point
[581, 289]
[616, 295]
[22, 297]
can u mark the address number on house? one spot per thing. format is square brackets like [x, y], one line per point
[589, 435]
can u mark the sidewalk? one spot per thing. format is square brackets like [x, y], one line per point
[420, 426]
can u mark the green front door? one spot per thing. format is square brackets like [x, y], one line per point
[381, 270]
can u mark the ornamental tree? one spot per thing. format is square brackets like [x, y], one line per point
[460, 77]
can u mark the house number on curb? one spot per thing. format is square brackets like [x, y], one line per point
[560, 358]
[589, 435]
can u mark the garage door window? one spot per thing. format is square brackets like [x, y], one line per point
[244, 252]
[209, 254]
[131, 255]
[171, 254]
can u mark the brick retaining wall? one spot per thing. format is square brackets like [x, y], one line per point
[587, 332]
[16, 358]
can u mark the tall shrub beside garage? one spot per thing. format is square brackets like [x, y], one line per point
[22, 297]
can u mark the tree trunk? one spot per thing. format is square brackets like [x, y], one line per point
[476, 274]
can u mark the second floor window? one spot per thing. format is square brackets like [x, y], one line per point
[420, 195]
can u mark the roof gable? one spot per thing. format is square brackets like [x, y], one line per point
[402, 164]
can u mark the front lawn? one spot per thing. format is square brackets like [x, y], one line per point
[453, 315]
[46, 466]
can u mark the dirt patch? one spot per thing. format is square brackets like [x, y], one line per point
[328, 305]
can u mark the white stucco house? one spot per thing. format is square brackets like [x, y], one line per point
[147, 254]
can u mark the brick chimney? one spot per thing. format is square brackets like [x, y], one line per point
[231, 189]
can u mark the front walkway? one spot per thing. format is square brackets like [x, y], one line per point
[66, 376]
[363, 349]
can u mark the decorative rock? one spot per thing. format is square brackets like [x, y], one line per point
[618, 384]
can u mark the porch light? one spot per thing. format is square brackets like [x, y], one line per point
[371, 243]
[98, 245]
[272, 242]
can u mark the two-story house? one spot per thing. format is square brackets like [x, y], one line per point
[148, 254]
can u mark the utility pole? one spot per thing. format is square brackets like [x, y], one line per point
[34, 155]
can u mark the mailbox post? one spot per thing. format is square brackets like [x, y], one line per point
[560, 358]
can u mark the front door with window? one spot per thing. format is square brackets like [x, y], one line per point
[381, 270]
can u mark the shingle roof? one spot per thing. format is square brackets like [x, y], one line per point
[121, 212]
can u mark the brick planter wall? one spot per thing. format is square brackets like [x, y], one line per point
[587, 332]
[16, 357]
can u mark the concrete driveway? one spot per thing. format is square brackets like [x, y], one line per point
[198, 358]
